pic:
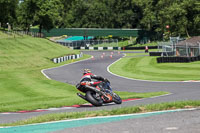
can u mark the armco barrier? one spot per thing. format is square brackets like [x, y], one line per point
[113, 48]
[139, 48]
[96, 48]
[177, 59]
[67, 57]
[161, 53]
[109, 48]
[155, 53]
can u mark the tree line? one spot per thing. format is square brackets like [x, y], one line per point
[175, 17]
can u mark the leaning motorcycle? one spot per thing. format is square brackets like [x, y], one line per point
[102, 94]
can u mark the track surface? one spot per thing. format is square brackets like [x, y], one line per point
[72, 73]
[174, 122]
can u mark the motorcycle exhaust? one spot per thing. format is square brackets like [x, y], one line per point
[93, 89]
[82, 96]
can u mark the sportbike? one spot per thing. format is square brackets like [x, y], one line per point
[102, 94]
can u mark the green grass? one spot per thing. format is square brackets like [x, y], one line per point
[119, 111]
[23, 86]
[142, 52]
[127, 95]
[146, 68]
[113, 44]
[147, 44]
[136, 54]
[106, 45]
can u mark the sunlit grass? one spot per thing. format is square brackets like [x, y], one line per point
[147, 68]
[22, 85]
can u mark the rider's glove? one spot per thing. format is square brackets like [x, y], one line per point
[106, 80]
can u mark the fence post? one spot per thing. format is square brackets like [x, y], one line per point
[199, 47]
[175, 48]
[186, 49]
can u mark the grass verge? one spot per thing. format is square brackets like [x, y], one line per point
[120, 111]
[22, 85]
[127, 95]
[147, 68]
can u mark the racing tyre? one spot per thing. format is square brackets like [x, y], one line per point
[91, 97]
[116, 98]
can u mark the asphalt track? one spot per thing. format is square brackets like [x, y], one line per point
[167, 121]
[71, 74]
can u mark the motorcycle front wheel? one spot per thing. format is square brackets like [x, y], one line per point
[91, 97]
[116, 98]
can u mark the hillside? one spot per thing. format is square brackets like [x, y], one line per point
[22, 84]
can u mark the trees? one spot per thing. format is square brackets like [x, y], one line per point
[66, 13]
[180, 15]
[192, 8]
[8, 12]
[102, 14]
[26, 13]
[183, 16]
[45, 13]
[124, 14]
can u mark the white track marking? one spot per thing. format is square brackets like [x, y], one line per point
[42, 71]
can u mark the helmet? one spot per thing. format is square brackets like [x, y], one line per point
[85, 71]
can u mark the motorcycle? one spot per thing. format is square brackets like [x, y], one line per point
[102, 94]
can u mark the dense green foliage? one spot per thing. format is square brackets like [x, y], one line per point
[182, 16]
[8, 11]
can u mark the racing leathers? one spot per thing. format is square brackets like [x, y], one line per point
[90, 81]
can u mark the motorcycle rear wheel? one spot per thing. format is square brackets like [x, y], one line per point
[90, 96]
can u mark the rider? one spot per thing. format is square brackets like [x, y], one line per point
[87, 81]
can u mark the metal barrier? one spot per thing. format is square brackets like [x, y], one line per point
[90, 43]
[22, 33]
[67, 57]
[177, 59]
